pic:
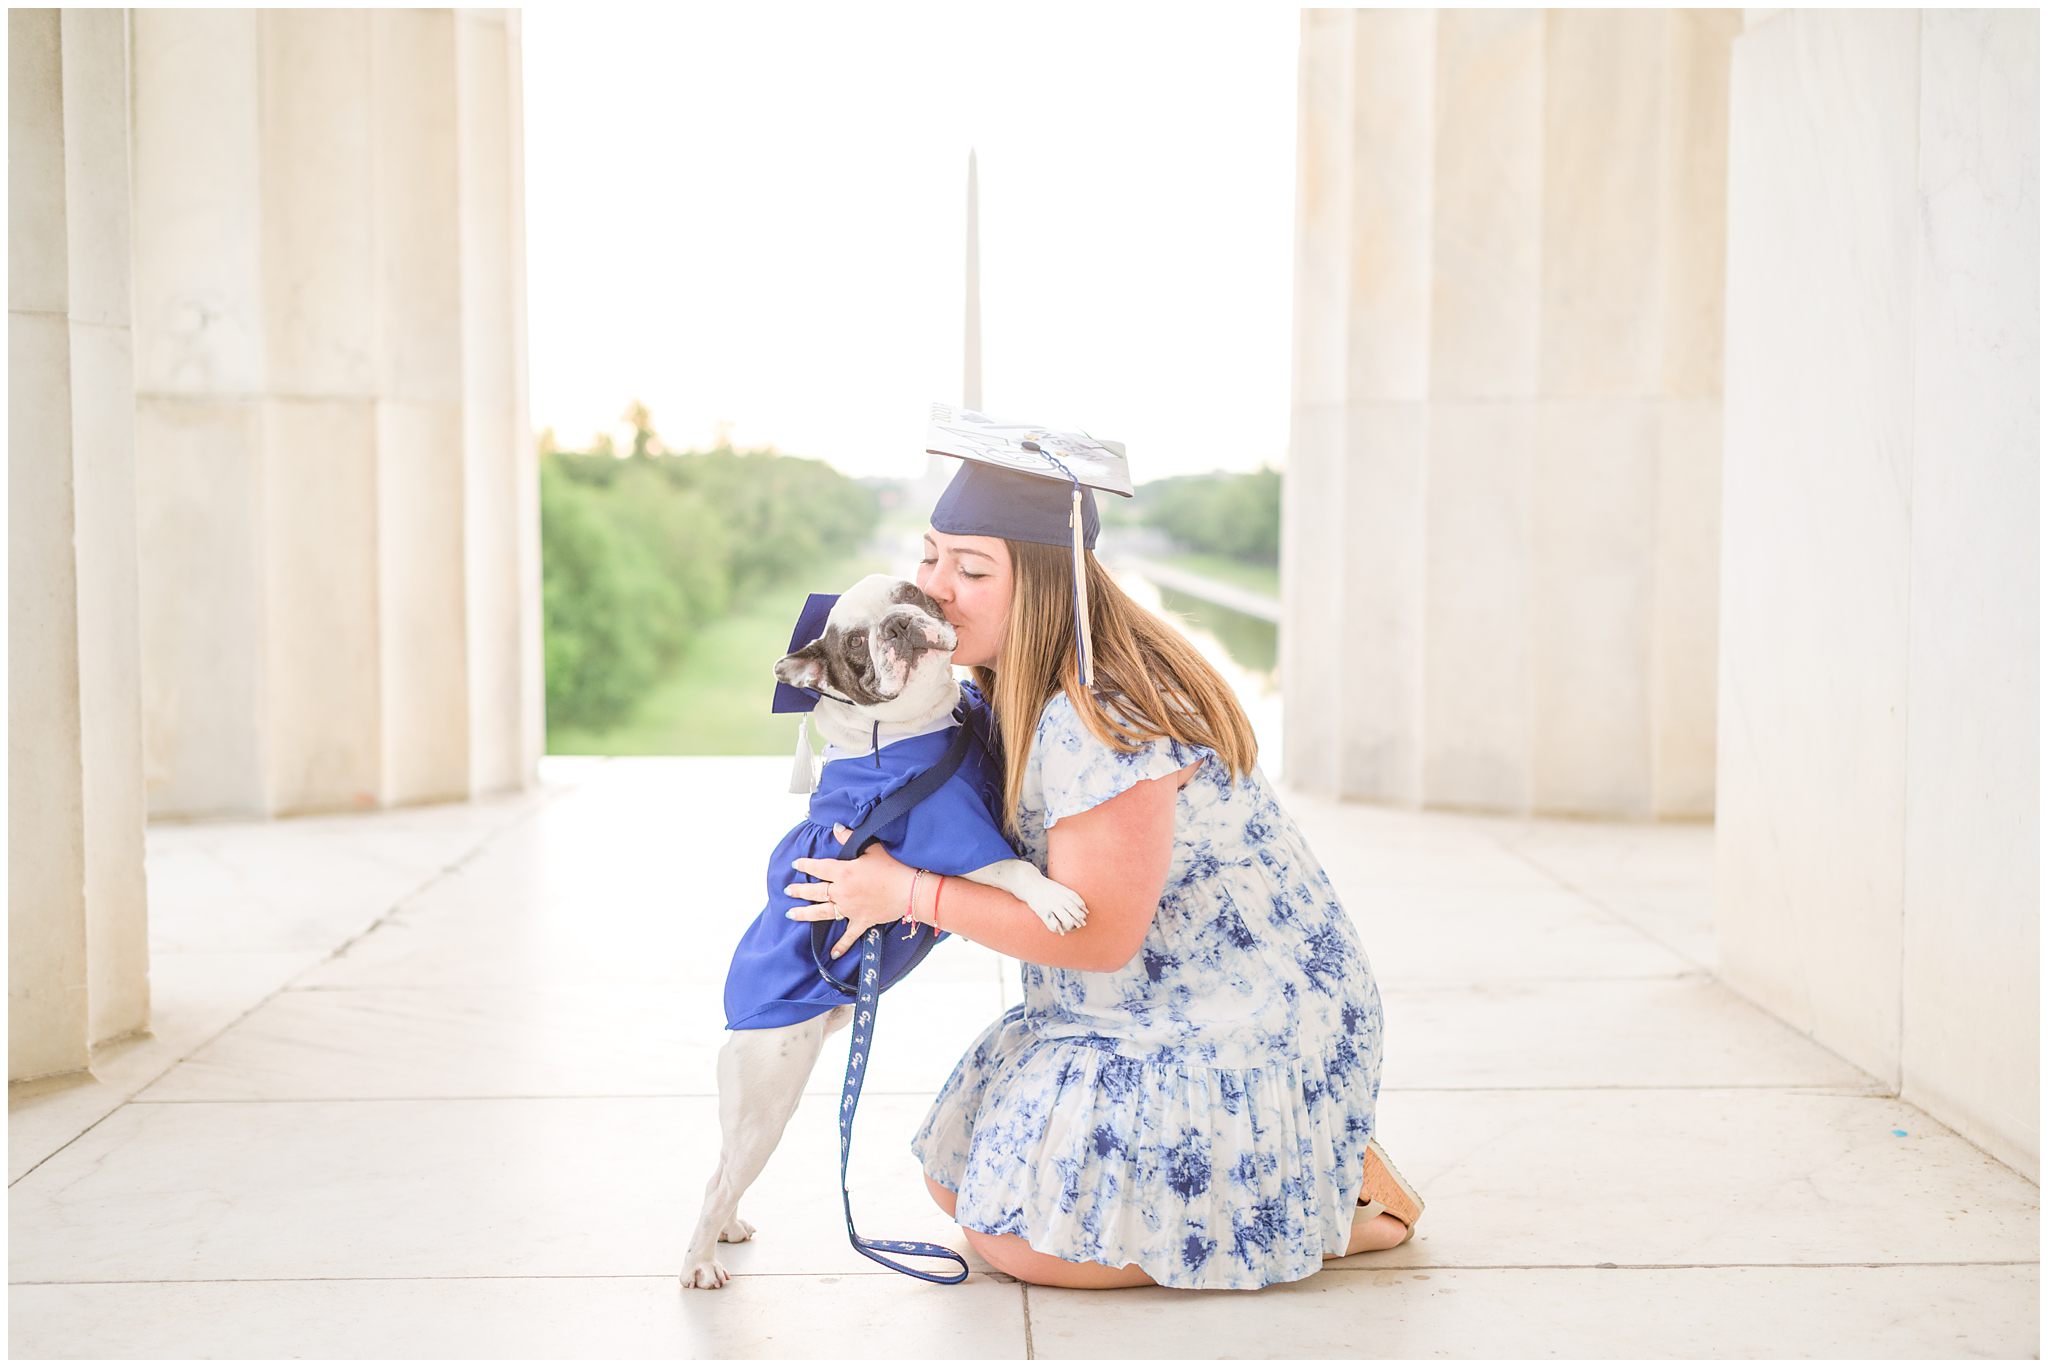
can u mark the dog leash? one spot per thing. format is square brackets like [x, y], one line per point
[867, 1000]
[849, 1098]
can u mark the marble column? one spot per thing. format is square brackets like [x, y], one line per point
[1877, 856]
[1502, 496]
[339, 508]
[78, 969]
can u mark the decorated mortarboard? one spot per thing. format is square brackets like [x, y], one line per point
[810, 625]
[1027, 483]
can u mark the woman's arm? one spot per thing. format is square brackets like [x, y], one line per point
[1115, 855]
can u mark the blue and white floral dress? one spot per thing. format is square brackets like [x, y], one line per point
[1201, 1112]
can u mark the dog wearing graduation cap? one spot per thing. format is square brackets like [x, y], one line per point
[876, 664]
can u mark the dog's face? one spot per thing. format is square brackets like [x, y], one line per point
[884, 641]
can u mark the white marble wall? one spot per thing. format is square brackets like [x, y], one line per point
[1878, 869]
[340, 532]
[1502, 503]
[77, 928]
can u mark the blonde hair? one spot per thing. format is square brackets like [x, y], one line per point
[1150, 682]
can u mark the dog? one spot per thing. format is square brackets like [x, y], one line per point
[884, 671]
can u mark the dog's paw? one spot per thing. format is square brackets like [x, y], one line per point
[1057, 905]
[736, 1232]
[708, 1275]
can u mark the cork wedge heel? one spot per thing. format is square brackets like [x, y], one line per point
[1385, 1190]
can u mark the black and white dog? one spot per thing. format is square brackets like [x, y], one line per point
[883, 670]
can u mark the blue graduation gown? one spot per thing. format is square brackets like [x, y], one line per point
[773, 981]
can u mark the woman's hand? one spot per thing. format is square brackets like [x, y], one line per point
[868, 890]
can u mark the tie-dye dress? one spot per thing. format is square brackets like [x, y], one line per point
[1201, 1112]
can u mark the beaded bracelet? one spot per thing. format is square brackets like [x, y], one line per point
[937, 894]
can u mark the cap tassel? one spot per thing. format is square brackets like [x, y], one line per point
[803, 773]
[1081, 590]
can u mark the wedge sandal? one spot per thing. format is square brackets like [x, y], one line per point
[1385, 1190]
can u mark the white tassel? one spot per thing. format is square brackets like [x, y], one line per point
[1081, 589]
[803, 773]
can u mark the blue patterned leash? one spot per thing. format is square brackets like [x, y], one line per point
[867, 1001]
[849, 1097]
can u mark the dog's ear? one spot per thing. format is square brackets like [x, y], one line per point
[805, 668]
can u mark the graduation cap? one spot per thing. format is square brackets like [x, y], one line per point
[810, 625]
[1027, 483]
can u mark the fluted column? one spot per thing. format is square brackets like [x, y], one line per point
[78, 972]
[1502, 488]
[340, 526]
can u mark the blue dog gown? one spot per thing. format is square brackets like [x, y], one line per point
[773, 981]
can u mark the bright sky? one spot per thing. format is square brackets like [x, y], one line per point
[755, 215]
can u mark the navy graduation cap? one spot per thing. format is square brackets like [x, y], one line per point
[810, 625]
[1027, 483]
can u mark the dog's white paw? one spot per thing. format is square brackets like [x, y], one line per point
[708, 1275]
[1057, 905]
[736, 1232]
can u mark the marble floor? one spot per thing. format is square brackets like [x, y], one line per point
[438, 1083]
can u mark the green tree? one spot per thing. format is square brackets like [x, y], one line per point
[1229, 515]
[645, 442]
[639, 553]
[597, 593]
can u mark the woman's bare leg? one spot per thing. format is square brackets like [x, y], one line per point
[1383, 1231]
[944, 1196]
[1011, 1254]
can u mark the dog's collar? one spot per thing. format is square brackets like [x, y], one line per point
[949, 719]
[820, 693]
[838, 752]
[875, 742]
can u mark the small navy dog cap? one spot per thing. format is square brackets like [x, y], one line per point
[810, 625]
